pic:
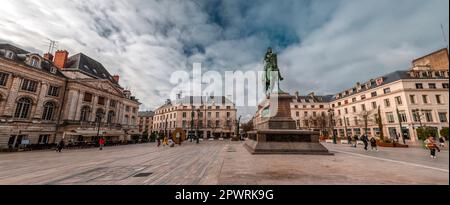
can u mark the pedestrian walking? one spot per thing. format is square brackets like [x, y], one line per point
[158, 139]
[60, 146]
[334, 139]
[355, 141]
[431, 145]
[349, 140]
[101, 142]
[373, 144]
[365, 141]
[441, 142]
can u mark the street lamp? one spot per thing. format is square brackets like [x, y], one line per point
[197, 138]
[99, 116]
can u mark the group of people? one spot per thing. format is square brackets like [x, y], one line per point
[61, 144]
[365, 140]
[165, 141]
[430, 143]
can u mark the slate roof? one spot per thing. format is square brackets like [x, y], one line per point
[89, 66]
[315, 99]
[146, 114]
[20, 57]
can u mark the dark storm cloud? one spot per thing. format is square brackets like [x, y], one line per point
[323, 46]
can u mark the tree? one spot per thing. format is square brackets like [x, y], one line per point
[365, 118]
[424, 132]
[380, 124]
[444, 132]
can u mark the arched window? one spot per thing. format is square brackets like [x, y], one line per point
[85, 113]
[110, 117]
[49, 108]
[125, 120]
[99, 115]
[23, 108]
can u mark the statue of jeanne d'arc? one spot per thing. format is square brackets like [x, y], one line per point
[272, 75]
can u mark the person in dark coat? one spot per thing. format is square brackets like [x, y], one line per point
[349, 140]
[373, 143]
[365, 141]
[60, 145]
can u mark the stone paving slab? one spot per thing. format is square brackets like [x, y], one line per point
[221, 162]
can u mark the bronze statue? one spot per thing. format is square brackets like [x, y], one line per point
[272, 75]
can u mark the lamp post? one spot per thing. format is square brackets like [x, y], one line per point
[99, 116]
[197, 138]
[331, 123]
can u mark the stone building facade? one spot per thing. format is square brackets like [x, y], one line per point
[44, 99]
[145, 123]
[415, 97]
[210, 117]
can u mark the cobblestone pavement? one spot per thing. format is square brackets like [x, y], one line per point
[222, 162]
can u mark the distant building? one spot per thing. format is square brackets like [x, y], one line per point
[213, 117]
[145, 121]
[43, 99]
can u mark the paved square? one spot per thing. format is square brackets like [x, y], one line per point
[222, 162]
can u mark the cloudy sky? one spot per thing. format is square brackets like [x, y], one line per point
[323, 46]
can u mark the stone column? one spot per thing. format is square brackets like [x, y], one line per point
[40, 101]
[10, 103]
[79, 105]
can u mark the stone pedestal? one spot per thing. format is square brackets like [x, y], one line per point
[276, 131]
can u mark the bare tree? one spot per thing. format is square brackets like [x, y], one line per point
[365, 118]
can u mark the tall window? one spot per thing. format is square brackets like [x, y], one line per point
[445, 85]
[29, 85]
[402, 116]
[432, 85]
[228, 114]
[390, 117]
[23, 108]
[412, 98]
[428, 115]
[184, 114]
[374, 105]
[438, 99]
[110, 118]
[425, 99]
[49, 108]
[53, 91]
[443, 117]
[101, 100]
[87, 97]
[363, 107]
[217, 114]
[112, 103]
[3, 79]
[387, 90]
[85, 112]
[398, 100]
[126, 120]
[387, 103]
[354, 109]
[419, 86]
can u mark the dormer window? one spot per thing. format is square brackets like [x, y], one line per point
[9, 54]
[53, 70]
[34, 62]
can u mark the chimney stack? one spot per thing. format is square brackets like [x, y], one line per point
[116, 78]
[48, 56]
[61, 59]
